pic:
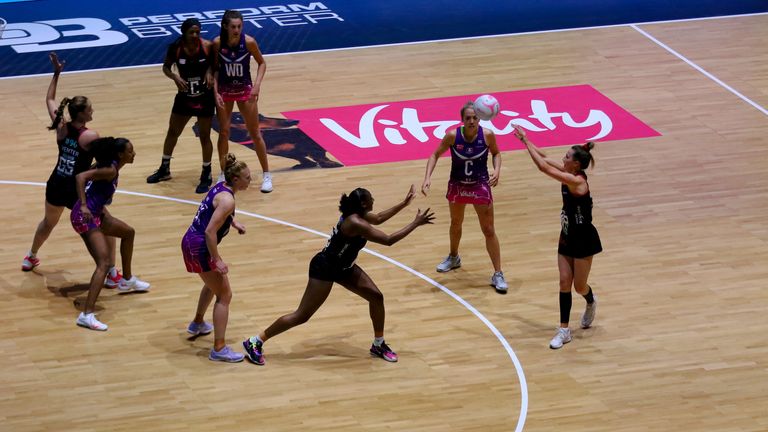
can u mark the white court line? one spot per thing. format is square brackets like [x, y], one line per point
[421, 42]
[700, 69]
[466, 304]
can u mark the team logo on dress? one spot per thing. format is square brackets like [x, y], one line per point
[459, 147]
[470, 150]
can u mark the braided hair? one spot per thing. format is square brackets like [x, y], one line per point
[76, 105]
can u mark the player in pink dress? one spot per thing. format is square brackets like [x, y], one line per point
[470, 183]
[201, 255]
[90, 219]
[232, 83]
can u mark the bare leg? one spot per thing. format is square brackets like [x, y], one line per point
[361, 284]
[457, 219]
[314, 296]
[204, 124]
[176, 126]
[97, 246]
[225, 121]
[250, 111]
[206, 295]
[485, 216]
[45, 227]
[114, 227]
[219, 285]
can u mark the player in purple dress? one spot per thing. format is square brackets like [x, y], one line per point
[90, 219]
[232, 83]
[579, 241]
[470, 184]
[74, 142]
[199, 246]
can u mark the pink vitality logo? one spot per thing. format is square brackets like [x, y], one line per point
[411, 130]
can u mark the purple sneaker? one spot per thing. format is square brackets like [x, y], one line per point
[384, 351]
[225, 355]
[254, 351]
[201, 329]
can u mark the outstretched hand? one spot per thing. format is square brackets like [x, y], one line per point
[519, 132]
[425, 217]
[409, 196]
[57, 65]
[425, 186]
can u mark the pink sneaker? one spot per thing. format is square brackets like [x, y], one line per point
[28, 263]
[384, 351]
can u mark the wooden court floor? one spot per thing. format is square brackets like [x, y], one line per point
[679, 342]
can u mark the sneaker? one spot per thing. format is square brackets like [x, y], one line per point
[205, 182]
[225, 355]
[201, 329]
[254, 351]
[562, 337]
[266, 183]
[449, 263]
[89, 321]
[498, 282]
[113, 281]
[384, 351]
[162, 174]
[221, 178]
[132, 285]
[29, 262]
[589, 314]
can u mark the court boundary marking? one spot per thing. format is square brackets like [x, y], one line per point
[518, 366]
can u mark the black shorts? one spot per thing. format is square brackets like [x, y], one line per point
[197, 106]
[323, 269]
[61, 192]
[580, 243]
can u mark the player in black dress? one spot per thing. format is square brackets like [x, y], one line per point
[579, 240]
[190, 54]
[336, 263]
[74, 142]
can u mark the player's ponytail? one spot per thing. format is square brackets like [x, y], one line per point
[353, 203]
[583, 154]
[59, 114]
[233, 168]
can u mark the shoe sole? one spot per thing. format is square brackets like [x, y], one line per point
[446, 271]
[27, 269]
[199, 333]
[500, 290]
[265, 191]
[383, 358]
[160, 180]
[225, 360]
[554, 348]
[91, 328]
[129, 291]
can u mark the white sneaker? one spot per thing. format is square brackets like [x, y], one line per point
[266, 183]
[221, 178]
[132, 285]
[498, 282]
[562, 337]
[589, 314]
[449, 263]
[89, 321]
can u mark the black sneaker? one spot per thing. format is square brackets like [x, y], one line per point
[162, 174]
[384, 351]
[205, 182]
[254, 352]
